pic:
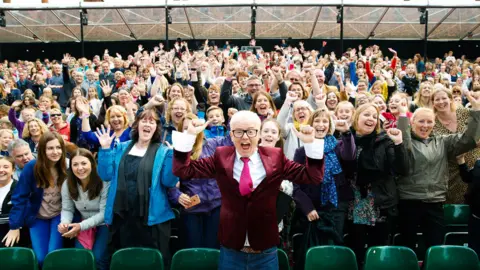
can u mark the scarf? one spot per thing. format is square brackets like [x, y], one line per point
[332, 167]
[365, 161]
[144, 180]
[296, 124]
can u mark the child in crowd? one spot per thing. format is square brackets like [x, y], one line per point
[217, 120]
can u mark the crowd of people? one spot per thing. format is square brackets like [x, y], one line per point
[248, 145]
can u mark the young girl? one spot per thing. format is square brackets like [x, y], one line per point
[6, 136]
[37, 199]
[345, 111]
[390, 118]
[410, 80]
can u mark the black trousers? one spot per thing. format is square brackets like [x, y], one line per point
[428, 216]
[378, 235]
[132, 232]
[474, 233]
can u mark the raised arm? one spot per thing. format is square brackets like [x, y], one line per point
[312, 171]
[185, 168]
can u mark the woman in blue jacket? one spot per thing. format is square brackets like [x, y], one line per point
[37, 200]
[139, 172]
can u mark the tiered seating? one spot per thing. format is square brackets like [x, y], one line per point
[322, 257]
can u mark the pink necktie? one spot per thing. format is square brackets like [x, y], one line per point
[246, 184]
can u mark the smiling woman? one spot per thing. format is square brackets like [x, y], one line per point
[450, 119]
[37, 200]
[423, 191]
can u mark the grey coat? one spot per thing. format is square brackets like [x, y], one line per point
[427, 179]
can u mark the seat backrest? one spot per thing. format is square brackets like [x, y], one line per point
[136, 259]
[390, 258]
[330, 258]
[195, 258]
[283, 261]
[451, 257]
[18, 258]
[456, 214]
[69, 258]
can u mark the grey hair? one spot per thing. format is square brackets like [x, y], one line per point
[16, 144]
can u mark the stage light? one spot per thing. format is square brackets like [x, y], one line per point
[339, 14]
[83, 17]
[3, 20]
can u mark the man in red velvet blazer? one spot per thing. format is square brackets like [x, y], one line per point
[249, 179]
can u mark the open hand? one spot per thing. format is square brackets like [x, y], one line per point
[104, 137]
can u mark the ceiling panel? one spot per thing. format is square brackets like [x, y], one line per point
[234, 23]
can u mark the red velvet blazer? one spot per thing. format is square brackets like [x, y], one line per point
[256, 213]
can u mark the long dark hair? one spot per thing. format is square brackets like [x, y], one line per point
[41, 171]
[95, 184]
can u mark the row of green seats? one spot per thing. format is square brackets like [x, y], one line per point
[126, 259]
[392, 258]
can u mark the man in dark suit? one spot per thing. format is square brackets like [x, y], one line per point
[249, 178]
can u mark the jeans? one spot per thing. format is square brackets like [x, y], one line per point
[100, 250]
[45, 237]
[201, 229]
[236, 260]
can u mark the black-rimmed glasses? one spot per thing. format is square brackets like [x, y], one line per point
[238, 133]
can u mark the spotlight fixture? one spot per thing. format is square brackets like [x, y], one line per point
[339, 14]
[254, 14]
[3, 20]
[423, 15]
[169, 17]
[35, 37]
[132, 35]
[470, 34]
[372, 34]
[83, 17]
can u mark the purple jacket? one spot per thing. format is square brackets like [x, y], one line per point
[206, 189]
[307, 197]
[19, 125]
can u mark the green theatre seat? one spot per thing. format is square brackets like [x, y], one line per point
[196, 258]
[69, 258]
[456, 217]
[330, 258]
[15, 258]
[283, 261]
[451, 258]
[391, 258]
[137, 259]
